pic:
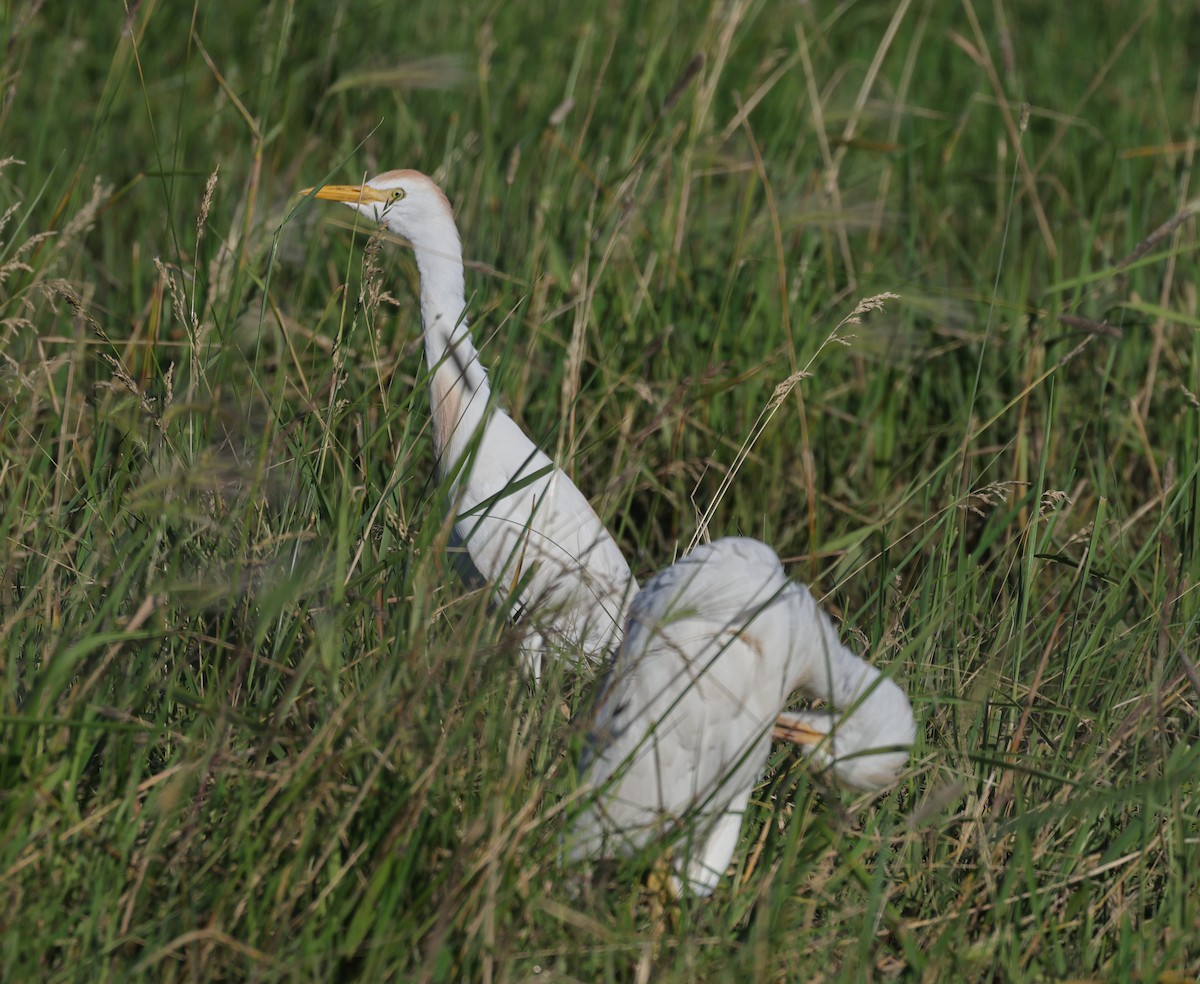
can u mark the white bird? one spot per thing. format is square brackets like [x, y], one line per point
[713, 647]
[528, 530]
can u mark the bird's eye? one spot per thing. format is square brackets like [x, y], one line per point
[395, 196]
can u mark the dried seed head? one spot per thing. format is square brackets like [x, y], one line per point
[206, 203]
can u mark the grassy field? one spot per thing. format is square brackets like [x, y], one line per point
[254, 726]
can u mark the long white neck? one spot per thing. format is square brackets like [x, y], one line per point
[459, 388]
[821, 666]
[874, 712]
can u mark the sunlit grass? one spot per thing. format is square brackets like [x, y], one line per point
[254, 725]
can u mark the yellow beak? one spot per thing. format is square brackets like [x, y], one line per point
[350, 194]
[788, 729]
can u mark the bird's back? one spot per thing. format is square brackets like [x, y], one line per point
[683, 718]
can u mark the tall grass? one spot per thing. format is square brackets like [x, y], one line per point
[254, 726]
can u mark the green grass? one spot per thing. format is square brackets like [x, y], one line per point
[253, 726]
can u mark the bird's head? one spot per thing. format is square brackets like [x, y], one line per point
[407, 202]
[866, 747]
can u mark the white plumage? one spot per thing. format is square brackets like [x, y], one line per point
[528, 530]
[714, 645]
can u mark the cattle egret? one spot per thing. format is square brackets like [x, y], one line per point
[528, 530]
[714, 645]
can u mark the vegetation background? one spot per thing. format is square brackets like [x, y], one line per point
[253, 726]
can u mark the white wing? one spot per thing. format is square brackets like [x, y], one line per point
[682, 728]
[713, 646]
